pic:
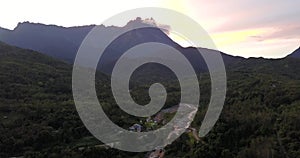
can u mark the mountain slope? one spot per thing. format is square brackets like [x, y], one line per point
[33, 88]
[37, 111]
[52, 40]
[289, 67]
[26, 69]
[38, 117]
[295, 54]
[62, 43]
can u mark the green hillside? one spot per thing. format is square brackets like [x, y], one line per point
[288, 67]
[38, 117]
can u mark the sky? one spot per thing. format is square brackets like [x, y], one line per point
[248, 28]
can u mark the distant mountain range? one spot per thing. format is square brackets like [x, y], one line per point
[63, 43]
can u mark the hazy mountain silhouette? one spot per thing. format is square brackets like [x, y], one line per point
[296, 53]
[52, 40]
[63, 43]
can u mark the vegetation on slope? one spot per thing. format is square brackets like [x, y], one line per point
[38, 117]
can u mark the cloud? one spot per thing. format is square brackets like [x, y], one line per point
[285, 32]
[248, 14]
[252, 27]
[164, 27]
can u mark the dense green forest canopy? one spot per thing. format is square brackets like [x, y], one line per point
[38, 116]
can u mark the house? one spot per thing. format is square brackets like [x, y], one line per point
[136, 128]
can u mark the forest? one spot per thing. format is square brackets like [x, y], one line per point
[38, 117]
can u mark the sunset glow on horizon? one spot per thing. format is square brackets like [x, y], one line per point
[249, 28]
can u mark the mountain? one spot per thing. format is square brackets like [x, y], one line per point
[63, 43]
[52, 40]
[295, 54]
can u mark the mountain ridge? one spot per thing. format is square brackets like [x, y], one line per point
[21, 25]
[43, 37]
[63, 42]
[295, 53]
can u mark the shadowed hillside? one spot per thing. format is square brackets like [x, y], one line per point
[38, 116]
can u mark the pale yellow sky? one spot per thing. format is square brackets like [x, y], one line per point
[249, 28]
